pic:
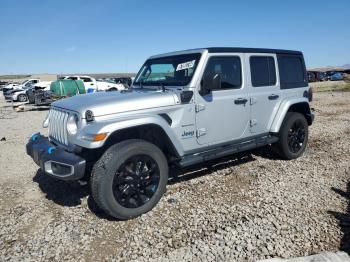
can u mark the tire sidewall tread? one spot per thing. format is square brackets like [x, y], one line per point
[104, 170]
[281, 147]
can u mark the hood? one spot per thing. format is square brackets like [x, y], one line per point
[105, 103]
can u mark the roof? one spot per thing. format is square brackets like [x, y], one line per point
[229, 50]
[250, 50]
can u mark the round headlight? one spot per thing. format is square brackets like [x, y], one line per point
[72, 124]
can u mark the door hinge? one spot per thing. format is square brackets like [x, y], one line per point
[201, 132]
[253, 122]
[199, 107]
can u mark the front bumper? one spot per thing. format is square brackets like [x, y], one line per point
[8, 97]
[55, 161]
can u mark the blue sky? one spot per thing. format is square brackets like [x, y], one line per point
[66, 36]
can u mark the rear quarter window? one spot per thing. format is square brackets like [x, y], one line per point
[292, 71]
[263, 71]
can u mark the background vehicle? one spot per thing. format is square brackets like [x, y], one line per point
[17, 92]
[3, 84]
[311, 77]
[91, 85]
[183, 108]
[57, 90]
[122, 80]
[9, 87]
[36, 89]
[336, 76]
[322, 76]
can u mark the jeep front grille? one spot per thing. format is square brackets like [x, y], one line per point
[57, 125]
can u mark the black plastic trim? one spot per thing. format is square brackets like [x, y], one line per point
[227, 149]
[38, 150]
[186, 97]
[167, 118]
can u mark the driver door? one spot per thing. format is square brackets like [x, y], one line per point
[222, 114]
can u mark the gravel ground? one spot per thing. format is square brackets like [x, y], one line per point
[247, 207]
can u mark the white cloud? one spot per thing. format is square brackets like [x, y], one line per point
[71, 49]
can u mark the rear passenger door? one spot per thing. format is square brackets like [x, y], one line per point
[265, 95]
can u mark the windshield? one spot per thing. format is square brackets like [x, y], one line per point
[171, 70]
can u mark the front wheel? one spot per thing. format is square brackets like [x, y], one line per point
[22, 98]
[293, 136]
[129, 179]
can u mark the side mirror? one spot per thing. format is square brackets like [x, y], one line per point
[208, 83]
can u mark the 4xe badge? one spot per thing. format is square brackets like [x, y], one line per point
[187, 134]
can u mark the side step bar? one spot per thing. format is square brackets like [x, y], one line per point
[228, 149]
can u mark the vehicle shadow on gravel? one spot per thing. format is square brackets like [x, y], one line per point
[68, 194]
[60, 192]
[266, 152]
[71, 194]
[344, 219]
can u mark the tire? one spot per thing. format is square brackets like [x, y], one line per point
[293, 136]
[22, 98]
[113, 89]
[119, 184]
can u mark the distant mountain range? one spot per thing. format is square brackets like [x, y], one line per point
[330, 68]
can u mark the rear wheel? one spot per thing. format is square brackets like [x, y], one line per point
[129, 179]
[293, 136]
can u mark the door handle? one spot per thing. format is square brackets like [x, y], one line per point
[273, 97]
[241, 101]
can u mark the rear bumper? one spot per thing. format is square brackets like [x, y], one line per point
[55, 161]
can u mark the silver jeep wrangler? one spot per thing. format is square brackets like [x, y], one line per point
[183, 108]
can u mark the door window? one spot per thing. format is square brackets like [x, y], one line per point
[228, 68]
[86, 79]
[73, 78]
[262, 70]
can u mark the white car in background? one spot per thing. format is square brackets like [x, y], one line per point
[92, 85]
[19, 88]
[22, 96]
[27, 83]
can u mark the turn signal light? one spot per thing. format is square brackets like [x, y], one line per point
[100, 137]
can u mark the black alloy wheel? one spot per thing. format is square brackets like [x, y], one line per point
[136, 181]
[296, 136]
[292, 137]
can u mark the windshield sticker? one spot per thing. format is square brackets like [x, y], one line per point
[185, 65]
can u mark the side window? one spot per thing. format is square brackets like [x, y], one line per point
[73, 78]
[292, 71]
[86, 79]
[228, 68]
[262, 70]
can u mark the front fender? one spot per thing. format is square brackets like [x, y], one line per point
[282, 111]
[110, 126]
